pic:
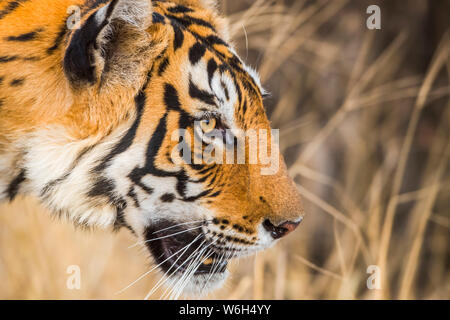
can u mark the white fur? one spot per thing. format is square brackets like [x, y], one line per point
[50, 153]
[134, 12]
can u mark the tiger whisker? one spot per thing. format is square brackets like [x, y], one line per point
[211, 252]
[192, 264]
[165, 278]
[229, 255]
[180, 290]
[191, 268]
[214, 268]
[158, 265]
[188, 270]
[182, 224]
[188, 275]
[163, 237]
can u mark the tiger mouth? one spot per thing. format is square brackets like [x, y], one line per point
[178, 250]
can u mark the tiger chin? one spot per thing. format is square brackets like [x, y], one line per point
[92, 94]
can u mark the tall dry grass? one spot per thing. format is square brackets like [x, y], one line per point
[365, 126]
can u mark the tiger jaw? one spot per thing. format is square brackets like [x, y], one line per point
[192, 256]
[180, 250]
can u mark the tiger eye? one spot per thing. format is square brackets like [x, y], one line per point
[208, 125]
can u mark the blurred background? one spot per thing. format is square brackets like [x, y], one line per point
[364, 117]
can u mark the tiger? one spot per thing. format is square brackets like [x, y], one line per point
[91, 93]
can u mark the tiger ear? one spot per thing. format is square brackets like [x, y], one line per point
[103, 34]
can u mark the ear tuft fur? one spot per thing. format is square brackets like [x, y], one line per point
[137, 13]
[84, 57]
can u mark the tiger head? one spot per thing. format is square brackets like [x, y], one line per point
[144, 81]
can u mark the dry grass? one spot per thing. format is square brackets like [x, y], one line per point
[365, 127]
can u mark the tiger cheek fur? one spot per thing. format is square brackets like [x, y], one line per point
[87, 118]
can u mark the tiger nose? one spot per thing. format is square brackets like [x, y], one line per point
[281, 230]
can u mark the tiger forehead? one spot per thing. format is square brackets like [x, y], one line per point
[199, 72]
[196, 28]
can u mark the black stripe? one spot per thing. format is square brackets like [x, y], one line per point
[13, 5]
[157, 18]
[1, 79]
[132, 194]
[178, 37]
[196, 52]
[17, 82]
[201, 195]
[2, 101]
[14, 186]
[135, 177]
[212, 67]
[171, 97]
[154, 145]
[25, 36]
[215, 194]
[102, 187]
[163, 66]
[120, 216]
[179, 9]
[244, 107]
[106, 187]
[213, 179]
[187, 21]
[249, 84]
[59, 38]
[213, 39]
[49, 186]
[204, 178]
[32, 58]
[202, 95]
[205, 170]
[128, 138]
[4, 59]
[167, 197]
[225, 89]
